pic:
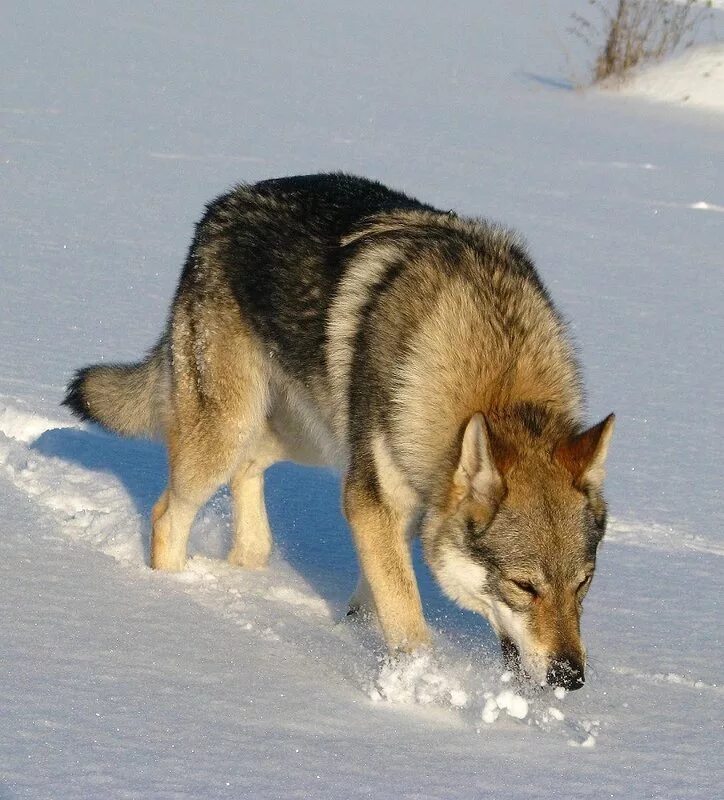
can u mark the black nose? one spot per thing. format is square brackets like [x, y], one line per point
[566, 673]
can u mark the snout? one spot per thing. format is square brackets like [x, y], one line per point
[566, 672]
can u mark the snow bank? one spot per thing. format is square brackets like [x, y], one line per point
[696, 78]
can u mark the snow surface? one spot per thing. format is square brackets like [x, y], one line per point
[694, 78]
[117, 124]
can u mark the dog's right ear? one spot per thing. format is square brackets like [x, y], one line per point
[476, 477]
[584, 455]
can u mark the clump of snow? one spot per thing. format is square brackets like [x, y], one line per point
[417, 678]
[513, 704]
[589, 741]
[491, 711]
[695, 78]
[443, 679]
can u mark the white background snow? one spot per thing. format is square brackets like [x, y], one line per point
[117, 123]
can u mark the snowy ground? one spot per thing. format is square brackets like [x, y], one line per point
[116, 125]
[693, 78]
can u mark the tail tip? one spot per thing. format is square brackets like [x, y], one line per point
[75, 398]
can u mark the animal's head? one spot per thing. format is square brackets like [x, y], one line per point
[515, 539]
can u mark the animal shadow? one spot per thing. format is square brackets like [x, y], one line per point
[303, 504]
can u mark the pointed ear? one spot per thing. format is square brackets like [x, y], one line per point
[584, 455]
[476, 476]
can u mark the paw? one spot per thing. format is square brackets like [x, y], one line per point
[409, 642]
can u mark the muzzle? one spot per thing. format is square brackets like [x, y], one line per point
[566, 672]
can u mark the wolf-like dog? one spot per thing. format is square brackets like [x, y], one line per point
[327, 319]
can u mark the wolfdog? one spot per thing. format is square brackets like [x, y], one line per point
[327, 319]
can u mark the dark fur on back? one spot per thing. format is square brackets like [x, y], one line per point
[279, 243]
[284, 245]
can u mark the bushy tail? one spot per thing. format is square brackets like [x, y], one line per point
[130, 399]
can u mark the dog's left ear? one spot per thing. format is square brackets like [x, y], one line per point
[584, 455]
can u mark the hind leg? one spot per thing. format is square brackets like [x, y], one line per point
[252, 535]
[200, 461]
[198, 466]
[216, 415]
[171, 530]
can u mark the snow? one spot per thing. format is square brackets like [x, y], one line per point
[218, 682]
[416, 679]
[694, 78]
[514, 704]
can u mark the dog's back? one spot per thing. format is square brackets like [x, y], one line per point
[379, 305]
[278, 245]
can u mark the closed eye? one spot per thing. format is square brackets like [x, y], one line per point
[584, 583]
[526, 587]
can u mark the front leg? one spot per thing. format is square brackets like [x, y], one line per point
[382, 547]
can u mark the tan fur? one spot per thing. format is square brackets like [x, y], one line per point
[383, 548]
[480, 353]
[252, 536]
[343, 321]
[396, 489]
[475, 369]
[584, 455]
[216, 417]
[131, 400]
[554, 622]
[545, 541]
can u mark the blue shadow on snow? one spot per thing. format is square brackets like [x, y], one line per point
[304, 510]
